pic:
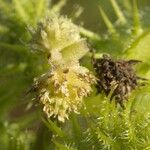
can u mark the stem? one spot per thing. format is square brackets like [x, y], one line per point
[89, 34]
[136, 19]
[118, 12]
[56, 8]
[107, 21]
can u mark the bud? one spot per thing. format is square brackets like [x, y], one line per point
[59, 39]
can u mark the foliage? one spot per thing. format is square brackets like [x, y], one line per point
[100, 125]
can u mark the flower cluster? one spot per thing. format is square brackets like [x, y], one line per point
[62, 88]
[59, 39]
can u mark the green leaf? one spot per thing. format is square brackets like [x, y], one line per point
[109, 24]
[21, 11]
[75, 51]
[136, 19]
[54, 128]
[118, 12]
[41, 6]
[140, 49]
[62, 146]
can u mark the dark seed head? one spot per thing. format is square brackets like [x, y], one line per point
[116, 75]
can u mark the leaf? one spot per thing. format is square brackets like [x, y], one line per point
[75, 51]
[21, 11]
[109, 24]
[40, 8]
[118, 12]
[54, 128]
[140, 49]
[62, 146]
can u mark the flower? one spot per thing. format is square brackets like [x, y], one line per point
[59, 39]
[61, 91]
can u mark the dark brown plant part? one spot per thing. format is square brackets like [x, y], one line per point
[116, 78]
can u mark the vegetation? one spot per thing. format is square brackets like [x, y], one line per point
[120, 29]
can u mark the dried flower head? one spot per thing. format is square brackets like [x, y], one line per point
[61, 91]
[116, 77]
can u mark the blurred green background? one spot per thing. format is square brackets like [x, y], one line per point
[21, 126]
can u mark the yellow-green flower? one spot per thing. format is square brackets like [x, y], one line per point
[61, 91]
[59, 39]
